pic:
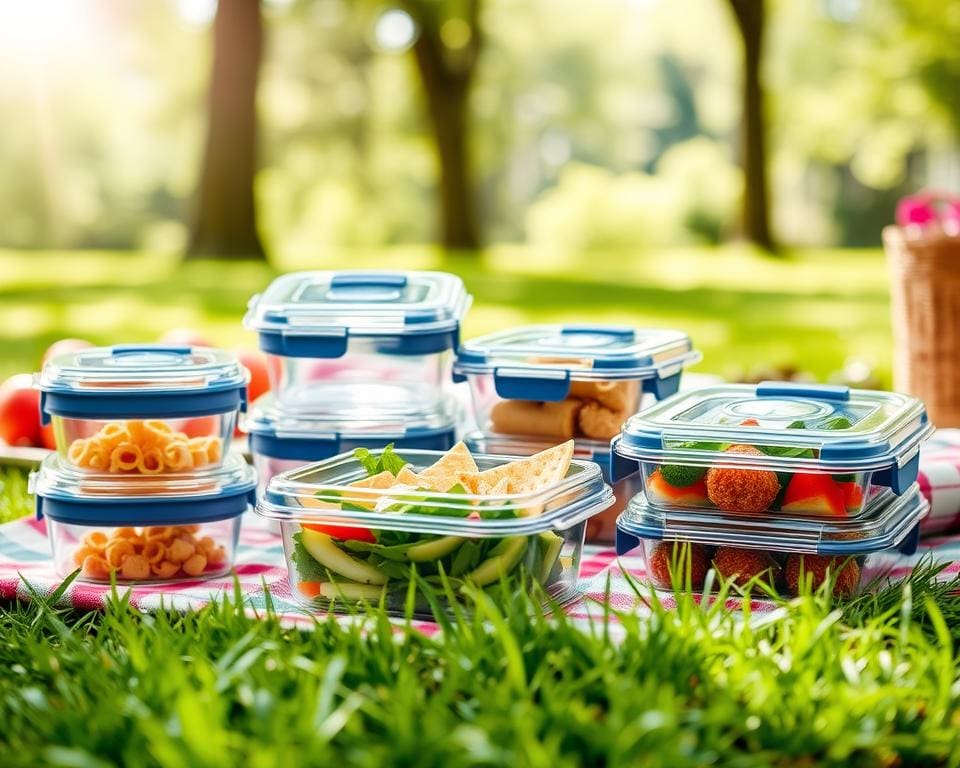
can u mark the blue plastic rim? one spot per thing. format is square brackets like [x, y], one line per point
[308, 449]
[103, 404]
[406, 343]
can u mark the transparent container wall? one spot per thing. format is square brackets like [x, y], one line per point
[367, 361]
[602, 527]
[267, 467]
[144, 553]
[594, 410]
[753, 491]
[144, 446]
[334, 567]
[679, 565]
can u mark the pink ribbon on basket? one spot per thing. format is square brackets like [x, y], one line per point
[929, 208]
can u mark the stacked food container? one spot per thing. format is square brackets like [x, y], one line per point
[776, 485]
[142, 486]
[356, 359]
[537, 385]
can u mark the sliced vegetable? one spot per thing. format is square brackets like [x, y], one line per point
[658, 489]
[323, 549]
[682, 475]
[852, 496]
[350, 532]
[342, 590]
[504, 558]
[551, 546]
[814, 494]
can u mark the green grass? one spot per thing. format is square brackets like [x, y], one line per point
[808, 685]
[814, 309]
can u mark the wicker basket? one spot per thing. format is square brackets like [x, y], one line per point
[925, 293]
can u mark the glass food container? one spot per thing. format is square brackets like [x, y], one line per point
[351, 334]
[143, 409]
[282, 439]
[557, 382]
[347, 544]
[798, 449]
[143, 529]
[766, 552]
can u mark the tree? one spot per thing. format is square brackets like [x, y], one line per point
[446, 52]
[225, 224]
[750, 19]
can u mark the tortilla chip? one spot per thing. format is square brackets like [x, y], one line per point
[406, 476]
[380, 480]
[533, 473]
[502, 488]
[377, 482]
[456, 461]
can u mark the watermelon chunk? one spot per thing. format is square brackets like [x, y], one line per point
[809, 494]
[852, 496]
[659, 491]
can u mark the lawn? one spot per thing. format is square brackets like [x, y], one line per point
[812, 309]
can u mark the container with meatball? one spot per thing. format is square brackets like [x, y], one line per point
[799, 450]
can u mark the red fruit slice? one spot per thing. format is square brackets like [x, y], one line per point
[343, 532]
[852, 496]
[659, 490]
[309, 588]
[814, 495]
[749, 423]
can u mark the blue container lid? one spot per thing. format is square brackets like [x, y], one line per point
[810, 427]
[891, 523]
[314, 314]
[142, 381]
[537, 362]
[317, 429]
[85, 498]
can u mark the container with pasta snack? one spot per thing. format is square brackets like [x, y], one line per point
[282, 439]
[369, 337]
[391, 528]
[143, 528]
[799, 450]
[143, 409]
[557, 382]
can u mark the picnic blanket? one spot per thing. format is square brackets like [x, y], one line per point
[25, 560]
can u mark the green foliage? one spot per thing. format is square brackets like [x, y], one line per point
[507, 685]
[15, 502]
[388, 460]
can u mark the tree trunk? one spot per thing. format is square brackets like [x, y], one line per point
[749, 15]
[446, 85]
[225, 223]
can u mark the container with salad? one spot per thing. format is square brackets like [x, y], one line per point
[389, 527]
[801, 450]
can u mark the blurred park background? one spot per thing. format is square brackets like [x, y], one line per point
[722, 166]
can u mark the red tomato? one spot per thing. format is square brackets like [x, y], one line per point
[185, 337]
[47, 440]
[256, 363]
[63, 347]
[19, 411]
[351, 532]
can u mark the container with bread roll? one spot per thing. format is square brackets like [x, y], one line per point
[602, 527]
[557, 382]
[281, 438]
[406, 530]
[143, 529]
[148, 409]
[805, 450]
[769, 554]
[353, 335]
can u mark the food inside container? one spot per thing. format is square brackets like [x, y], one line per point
[358, 329]
[803, 450]
[768, 553]
[602, 527]
[143, 529]
[143, 410]
[378, 527]
[283, 437]
[563, 381]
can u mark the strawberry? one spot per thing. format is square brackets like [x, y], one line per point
[659, 490]
[809, 494]
[815, 569]
[687, 557]
[742, 565]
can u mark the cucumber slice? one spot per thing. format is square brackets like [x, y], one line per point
[324, 551]
[433, 550]
[508, 554]
[550, 547]
[347, 591]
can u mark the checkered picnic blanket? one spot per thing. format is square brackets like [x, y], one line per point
[25, 561]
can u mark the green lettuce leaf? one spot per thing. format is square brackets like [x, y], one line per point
[388, 460]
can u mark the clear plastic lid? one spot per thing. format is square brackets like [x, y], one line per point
[793, 426]
[359, 303]
[152, 368]
[891, 521]
[322, 493]
[316, 416]
[597, 451]
[596, 352]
